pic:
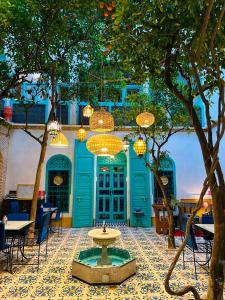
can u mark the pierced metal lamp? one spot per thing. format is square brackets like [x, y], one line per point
[104, 144]
[145, 119]
[53, 127]
[101, 121]
[59, 141]
[139, 146]
[88, 111]
[81, 134]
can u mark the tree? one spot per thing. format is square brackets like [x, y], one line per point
[181, 45]
[170, 118]
[53, 39]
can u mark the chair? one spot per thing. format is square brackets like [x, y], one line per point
[39, 217]
[18, 217]
[15, 239]
[48, 205]
[42, 237]
[14, 206]
[202, 248]
[5, 248]
[58, 220]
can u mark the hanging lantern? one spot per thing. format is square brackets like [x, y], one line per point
[101, 121]
[59, 141]
[145, 119]
[88, 111]
[81, 134]
[53, 127]
[104, 144]
[164, 180]
[126, 144]
[140, 146]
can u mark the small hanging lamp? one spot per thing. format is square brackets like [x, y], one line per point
[59, 141]
[145, 119]
[81, 134]
[88, 111]
[53, 126]
[101, 121]
[139, 146]
[126, 144]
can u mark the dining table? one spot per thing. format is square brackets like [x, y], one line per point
[207, 228]
[17, 225]
[16, 230]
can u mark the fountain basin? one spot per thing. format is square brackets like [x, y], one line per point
[85, 266]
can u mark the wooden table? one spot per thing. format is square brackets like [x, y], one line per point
[17, 225]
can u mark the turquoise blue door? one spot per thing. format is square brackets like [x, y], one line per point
[111, 200]
[139, 190]
[83, 199]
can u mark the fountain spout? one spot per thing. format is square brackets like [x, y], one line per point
[104, 226]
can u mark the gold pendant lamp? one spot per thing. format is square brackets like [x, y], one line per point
[104, 144]
[59, 141]
[81, 134]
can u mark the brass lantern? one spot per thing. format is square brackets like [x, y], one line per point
[101, 121]
[81, 134]
[164, 180]
[88, 111]
[145, 119]
[139, 146]
[59, 141]
[104, 144]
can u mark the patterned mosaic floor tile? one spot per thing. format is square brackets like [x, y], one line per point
[54, 280]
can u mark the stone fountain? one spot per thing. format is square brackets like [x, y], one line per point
[103, 265]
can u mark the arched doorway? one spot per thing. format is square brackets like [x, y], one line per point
[111, 189]
[167, 168]
[58, 181]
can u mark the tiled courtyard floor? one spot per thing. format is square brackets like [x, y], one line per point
[54, 281]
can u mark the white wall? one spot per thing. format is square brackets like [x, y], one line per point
[183, 148]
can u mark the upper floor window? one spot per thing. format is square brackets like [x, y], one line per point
[35, 114]
[62, 113]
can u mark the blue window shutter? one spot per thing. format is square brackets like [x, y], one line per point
[139, 189]
[83, 198]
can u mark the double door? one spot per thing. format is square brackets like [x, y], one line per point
[111, 199]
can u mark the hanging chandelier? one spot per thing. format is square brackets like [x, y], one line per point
[139, 146]
[53, 127]
[59, 141]
[88, 111]
[101, 121]
[81, 134]
[104, 144]
[145, 119]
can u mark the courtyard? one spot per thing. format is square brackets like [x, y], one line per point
[54, 280]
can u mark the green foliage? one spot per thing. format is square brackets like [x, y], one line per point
[145, 31]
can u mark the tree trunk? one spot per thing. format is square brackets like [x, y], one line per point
[216, 278]
[171, 239]
[38, 179]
